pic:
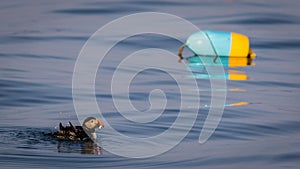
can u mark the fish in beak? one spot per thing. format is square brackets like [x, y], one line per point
[100, 123]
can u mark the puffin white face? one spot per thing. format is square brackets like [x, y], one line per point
[94, 123]
[91, 124]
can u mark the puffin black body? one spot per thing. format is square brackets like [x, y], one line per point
[78, 133]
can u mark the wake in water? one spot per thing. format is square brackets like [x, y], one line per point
[20, 138]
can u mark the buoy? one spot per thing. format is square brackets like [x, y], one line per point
[218, 43]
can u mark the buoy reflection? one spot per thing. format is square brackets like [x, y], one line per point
[232, 68]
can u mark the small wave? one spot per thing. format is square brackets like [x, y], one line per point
[97, 11]
[275, 44]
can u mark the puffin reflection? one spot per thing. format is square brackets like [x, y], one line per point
[80, 147]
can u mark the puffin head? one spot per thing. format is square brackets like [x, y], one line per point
[90, 124]
[93, 123]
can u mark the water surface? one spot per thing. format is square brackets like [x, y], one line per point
[39, 44]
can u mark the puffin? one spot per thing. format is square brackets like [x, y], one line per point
[86, 132]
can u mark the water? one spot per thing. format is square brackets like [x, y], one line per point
[40, 42]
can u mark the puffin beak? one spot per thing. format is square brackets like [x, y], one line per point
[101, 124]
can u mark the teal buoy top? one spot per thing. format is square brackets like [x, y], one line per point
[210, 43]
[218, 43]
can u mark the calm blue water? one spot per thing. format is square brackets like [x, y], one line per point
[39, 45]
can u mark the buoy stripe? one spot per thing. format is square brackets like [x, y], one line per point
[239, 46]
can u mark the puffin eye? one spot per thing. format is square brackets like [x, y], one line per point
[92, 121]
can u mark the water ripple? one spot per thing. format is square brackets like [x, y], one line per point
[276, 44]
[97, 11]
[27, 38]
[33, 56]
[14, 94]
[259, 21]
